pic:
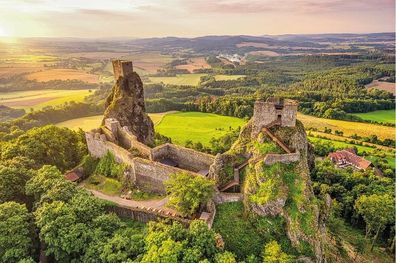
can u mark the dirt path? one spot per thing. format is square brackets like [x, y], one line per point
[133, 203]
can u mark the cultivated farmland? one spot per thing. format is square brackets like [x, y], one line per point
[63, 74]
[349, 128]
[37, 99]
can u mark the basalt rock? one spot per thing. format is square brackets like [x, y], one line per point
[126, 104]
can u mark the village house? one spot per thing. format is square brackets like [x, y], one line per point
[348, 158]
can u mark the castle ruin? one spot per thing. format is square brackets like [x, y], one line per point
[274, 111]
[122, 68]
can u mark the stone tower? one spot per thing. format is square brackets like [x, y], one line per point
[122, 68]
[126, 103]
[274, 111]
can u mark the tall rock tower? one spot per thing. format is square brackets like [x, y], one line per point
[126, 102]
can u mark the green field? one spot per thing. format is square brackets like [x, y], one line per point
[387, 116]
[37, 99]
[196, 126]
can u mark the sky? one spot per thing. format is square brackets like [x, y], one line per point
[188, 18]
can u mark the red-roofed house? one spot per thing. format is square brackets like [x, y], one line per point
[348, 157]
[75, 175]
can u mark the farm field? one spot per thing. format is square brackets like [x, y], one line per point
[383, 85]
[63, 74]
[194, 64]
[189, 79]
[37, 99]
[89, 123]
[379, 115]
[180, 79]
[196, 126]
[349, 128]
[334, 137]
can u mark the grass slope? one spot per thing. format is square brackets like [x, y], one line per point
[387, 116]
[196, 126]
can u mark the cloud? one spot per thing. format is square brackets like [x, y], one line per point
[298, 6]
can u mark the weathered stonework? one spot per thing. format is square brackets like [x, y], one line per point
[274, 110]
[272, 158]
[126, 103]
[122, 68]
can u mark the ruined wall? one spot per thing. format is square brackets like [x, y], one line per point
[145, 215]
[289, 115]
[188, 159]
[150, 175]
[121, 68]
[272, 158]
[268, 112]
[128, 141]
[98, 146]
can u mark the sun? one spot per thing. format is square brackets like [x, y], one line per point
[3, 32]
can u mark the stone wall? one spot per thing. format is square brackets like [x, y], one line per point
[98, 146]
[122, 68]
[128, 140]
[145, 215]
[151, 175]
[272, 158]
[268, 112]
[146, 174]
[188, 159]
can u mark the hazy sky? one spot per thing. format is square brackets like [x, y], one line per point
[151, 18]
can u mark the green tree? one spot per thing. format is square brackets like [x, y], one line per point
[225, 257]
[377, 211]
[44, 179]
[51, 145]
[13, 177]
[187, 192]
[273, 254]
[15, 234]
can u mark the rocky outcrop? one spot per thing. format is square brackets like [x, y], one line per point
[280, 189]
[126, 104]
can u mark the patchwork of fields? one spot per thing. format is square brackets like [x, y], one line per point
[37, 99]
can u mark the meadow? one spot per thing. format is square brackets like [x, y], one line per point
[37, 99]
[349, 128]
[386, 116]
[196, 126]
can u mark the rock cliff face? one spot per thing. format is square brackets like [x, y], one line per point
[126, 104]
[283, 189]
